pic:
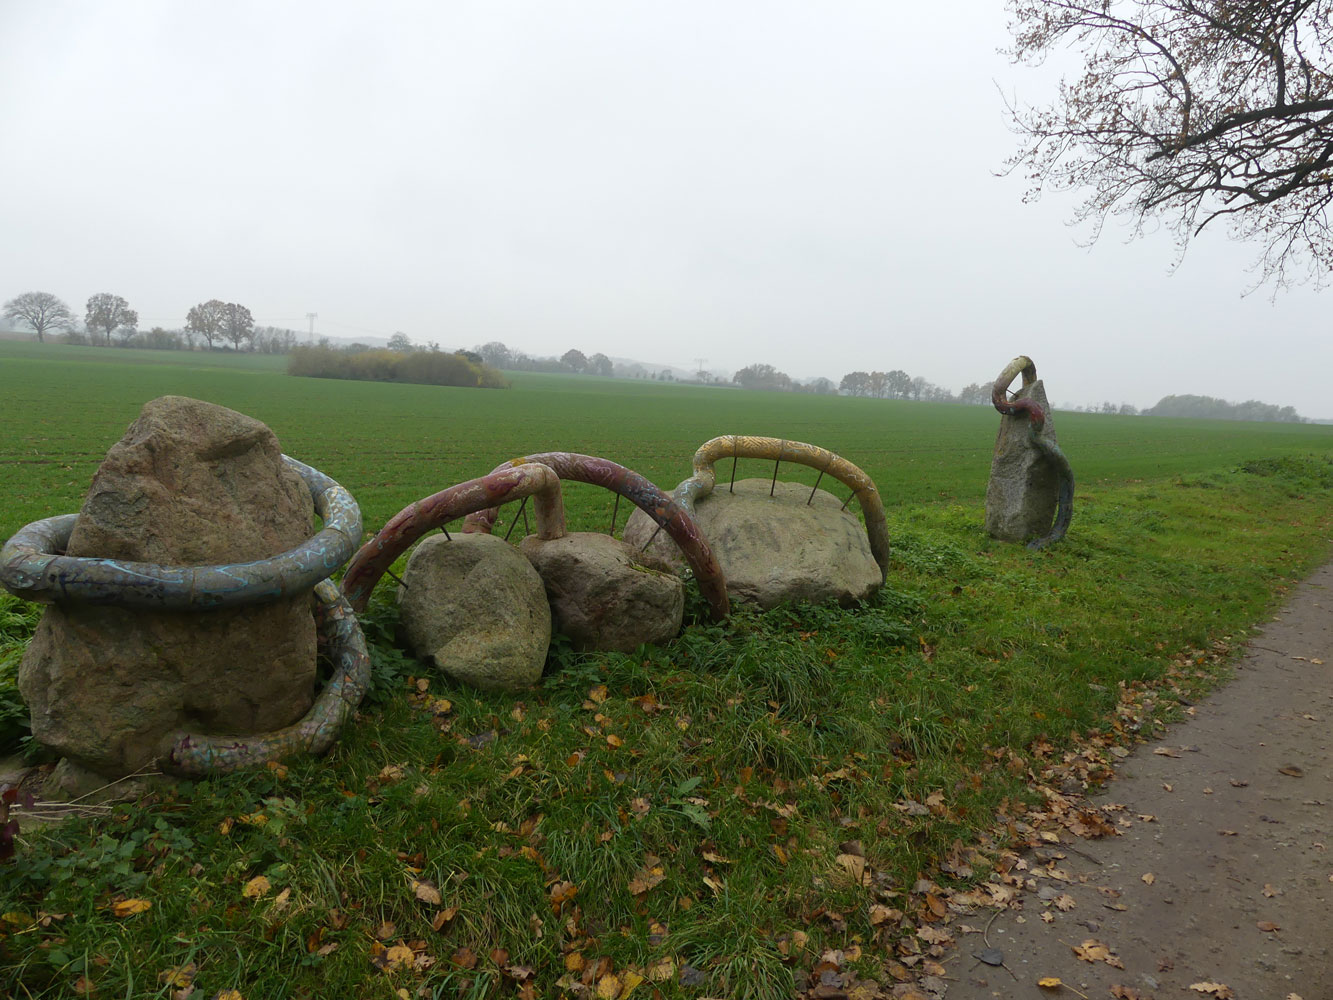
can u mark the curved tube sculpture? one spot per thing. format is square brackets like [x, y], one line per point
[670, 516]
[31, 568]
[1036, 421]
[688, 493]
[340, 637]
[437, 510]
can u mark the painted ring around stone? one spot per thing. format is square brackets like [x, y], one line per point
[343, 643]
[31, 568]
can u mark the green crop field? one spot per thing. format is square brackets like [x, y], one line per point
[754, 810]
[391, 444]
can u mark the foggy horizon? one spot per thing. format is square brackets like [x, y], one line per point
[818, 189]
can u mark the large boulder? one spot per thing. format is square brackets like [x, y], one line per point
[190, 483]
[779, 548]
[602, 596]
[475, 608]
[1024, 486]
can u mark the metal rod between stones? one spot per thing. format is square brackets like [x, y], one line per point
[818, 480]
[732, 489]
[514, 523]
[652, 539]
[774, 484]
[614, 511]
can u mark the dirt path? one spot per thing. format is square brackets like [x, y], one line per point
[1231, 882]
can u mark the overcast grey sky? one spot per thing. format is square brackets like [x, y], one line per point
[811, 185]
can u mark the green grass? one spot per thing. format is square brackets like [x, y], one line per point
[744, 754]
[393, 444]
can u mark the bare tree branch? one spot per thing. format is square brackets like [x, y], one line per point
[1187, 111]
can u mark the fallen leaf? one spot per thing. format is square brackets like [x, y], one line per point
[1050, 982]
[1291, 771]
[1218, 990]
[281, 900]
[597, 695]
[854, 864]
[1064, 902]
[1271, 890]
[228, 995]
[255, 888]
[933, 935]
[1148, 878]
[650, 875]
[391, 959]
[129, 907]
[1267, 926]
[1166, 752]
[178, 976]
[1227, 833]
[882, 914]
[1091, 950]
[608, 987]
[1047, 917]
[426, 892]
[662, 970]
[1236, 783]
[443, 917]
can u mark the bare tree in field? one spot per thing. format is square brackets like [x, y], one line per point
[40, 310]
[1186, 112]
[205, 320]
[238, 325]
[106, 312]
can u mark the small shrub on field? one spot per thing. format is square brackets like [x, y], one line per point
[419, 367]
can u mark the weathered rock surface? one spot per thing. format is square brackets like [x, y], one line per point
[1024, 487]
[476, 608]
[777, 549]
[601, 596]
[190, 483]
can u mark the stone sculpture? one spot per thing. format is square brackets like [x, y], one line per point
[182, 622]
[779, 541]
[633, 606]
[476, 609]
[1029, 497]
[603, 596]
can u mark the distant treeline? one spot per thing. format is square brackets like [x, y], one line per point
[424, 367]
[1208, 408]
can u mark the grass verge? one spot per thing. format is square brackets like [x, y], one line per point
[715, 817]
